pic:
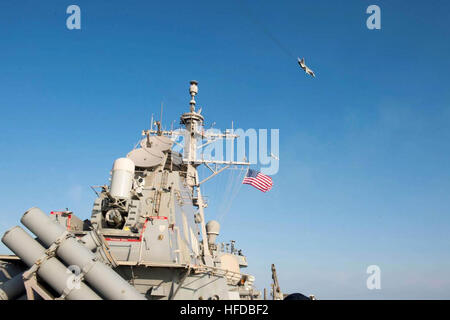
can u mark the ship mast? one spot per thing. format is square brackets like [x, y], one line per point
[196, 138]
[193, 122]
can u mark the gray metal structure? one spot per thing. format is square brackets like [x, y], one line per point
[146, 239]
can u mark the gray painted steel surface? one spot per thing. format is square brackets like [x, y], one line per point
[53, 271]
[12, 288]
[149, 224]
[97, 274]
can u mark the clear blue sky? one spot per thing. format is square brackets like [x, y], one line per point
[364, 153]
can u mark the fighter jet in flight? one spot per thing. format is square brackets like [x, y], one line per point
[302, 64]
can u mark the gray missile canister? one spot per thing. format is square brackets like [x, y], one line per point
[51, 270]
[97, 274]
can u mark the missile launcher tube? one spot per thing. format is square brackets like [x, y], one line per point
[98, 275]
[51, 270]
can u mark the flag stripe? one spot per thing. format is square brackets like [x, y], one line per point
[254, 183]
[264, 178]
[258, 180]
[262, 184]
[265, 181]
[259, 188]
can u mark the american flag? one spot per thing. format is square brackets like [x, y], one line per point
[258, 180]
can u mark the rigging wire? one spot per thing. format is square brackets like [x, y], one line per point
[265, 30]
[237, 184]
[226, 193]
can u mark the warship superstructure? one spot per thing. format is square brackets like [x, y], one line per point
[147, 237]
